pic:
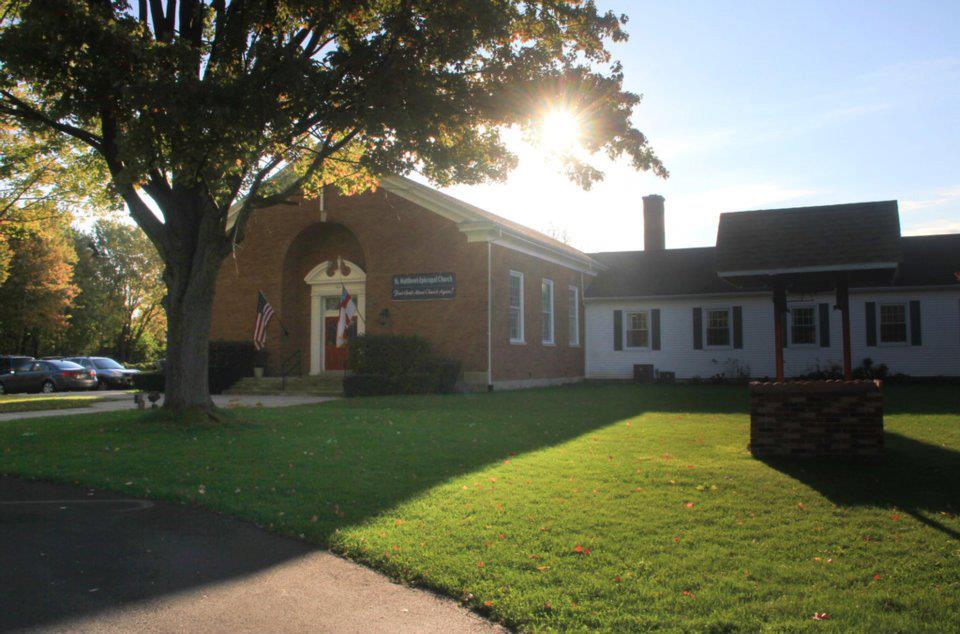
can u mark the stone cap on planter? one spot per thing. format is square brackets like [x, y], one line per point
[832, 386]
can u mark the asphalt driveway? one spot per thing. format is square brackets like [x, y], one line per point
[75, 559]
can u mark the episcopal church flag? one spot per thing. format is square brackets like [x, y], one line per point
[348, 312]
[264, 313]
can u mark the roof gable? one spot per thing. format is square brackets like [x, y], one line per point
[480, 225]
[806, 239]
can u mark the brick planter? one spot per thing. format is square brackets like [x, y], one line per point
[808, 419]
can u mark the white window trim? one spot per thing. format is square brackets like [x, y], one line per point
[816, 327]
[706, 326]
[575, 343]
[906, 324]
[520, 339]
[626, 329]
[553, 316]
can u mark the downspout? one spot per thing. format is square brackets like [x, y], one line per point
[489, 316]
[582, 325]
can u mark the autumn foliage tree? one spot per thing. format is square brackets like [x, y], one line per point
[197, 106]
[36, 294]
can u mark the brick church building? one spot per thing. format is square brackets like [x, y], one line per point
[504, 300]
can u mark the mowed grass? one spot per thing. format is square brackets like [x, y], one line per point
[20, 403]
[616, 507]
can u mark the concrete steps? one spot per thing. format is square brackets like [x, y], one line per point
[328, 384]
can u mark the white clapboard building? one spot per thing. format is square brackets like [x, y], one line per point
[677, 313]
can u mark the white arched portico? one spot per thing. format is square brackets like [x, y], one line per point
[326, 281]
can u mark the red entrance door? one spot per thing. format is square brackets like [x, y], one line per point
[335, 358]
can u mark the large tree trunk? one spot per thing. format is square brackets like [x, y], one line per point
[190, 276]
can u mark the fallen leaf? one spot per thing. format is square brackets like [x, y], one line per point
[821, 616]
[480, 564]
[487, 604]
[876, 577]
[689, 505]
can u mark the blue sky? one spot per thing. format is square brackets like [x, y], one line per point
[767, 104]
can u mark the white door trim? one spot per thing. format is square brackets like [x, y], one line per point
[325, 280]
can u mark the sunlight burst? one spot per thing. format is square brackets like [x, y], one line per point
[559, 131]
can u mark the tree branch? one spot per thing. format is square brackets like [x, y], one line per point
[20, 109]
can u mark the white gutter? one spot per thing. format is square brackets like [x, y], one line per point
[811, 269]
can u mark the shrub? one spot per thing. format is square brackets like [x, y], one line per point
[230, 361]
[397, 364]
[149, 381]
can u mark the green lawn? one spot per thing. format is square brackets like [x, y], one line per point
[22, 403]
[615, 507]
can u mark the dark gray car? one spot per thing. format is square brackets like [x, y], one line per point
[110, 374]
[10, 365]
[48, 376]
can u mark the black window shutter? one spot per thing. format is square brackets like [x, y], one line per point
[916, 338]
[871, 311]
[783, 329]
[618, 330]
[824, 325]
[698, 328]
[655, 329]
[738, 326]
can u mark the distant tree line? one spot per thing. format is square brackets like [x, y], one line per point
[63, 289]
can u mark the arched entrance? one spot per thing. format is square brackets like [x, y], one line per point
[326, 281]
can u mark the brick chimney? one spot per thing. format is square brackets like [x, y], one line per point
[653, 232]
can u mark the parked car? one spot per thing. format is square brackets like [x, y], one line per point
[110, 374]
[32, 375]
[10, 365]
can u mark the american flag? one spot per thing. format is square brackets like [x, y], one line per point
[264, 313]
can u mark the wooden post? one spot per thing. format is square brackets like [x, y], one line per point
[843, 303]
[779, 306]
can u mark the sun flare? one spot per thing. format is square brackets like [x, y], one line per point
[559, 131]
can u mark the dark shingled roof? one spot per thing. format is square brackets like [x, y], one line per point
[654, 273]
[802, 237]
[927, 261]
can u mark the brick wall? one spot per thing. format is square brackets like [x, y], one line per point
[816, 418]
[387, 235]
[534, 360]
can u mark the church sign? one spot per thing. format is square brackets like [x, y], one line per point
[424, 286]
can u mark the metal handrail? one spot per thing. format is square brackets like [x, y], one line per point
[285, 365]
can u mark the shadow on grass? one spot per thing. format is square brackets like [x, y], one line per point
[317, 469]
[307, 469]
[914, 477]
[921, 399]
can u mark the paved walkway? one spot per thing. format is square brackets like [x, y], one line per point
[80, 560]
[118, 401]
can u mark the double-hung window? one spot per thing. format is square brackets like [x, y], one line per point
[803, 326]
[638, 330]
[893, 323]
[546, 311]
[573, 316]
[718, 327]
[516, 307]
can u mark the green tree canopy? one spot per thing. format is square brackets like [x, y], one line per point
[194, 106]
[119, 277]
